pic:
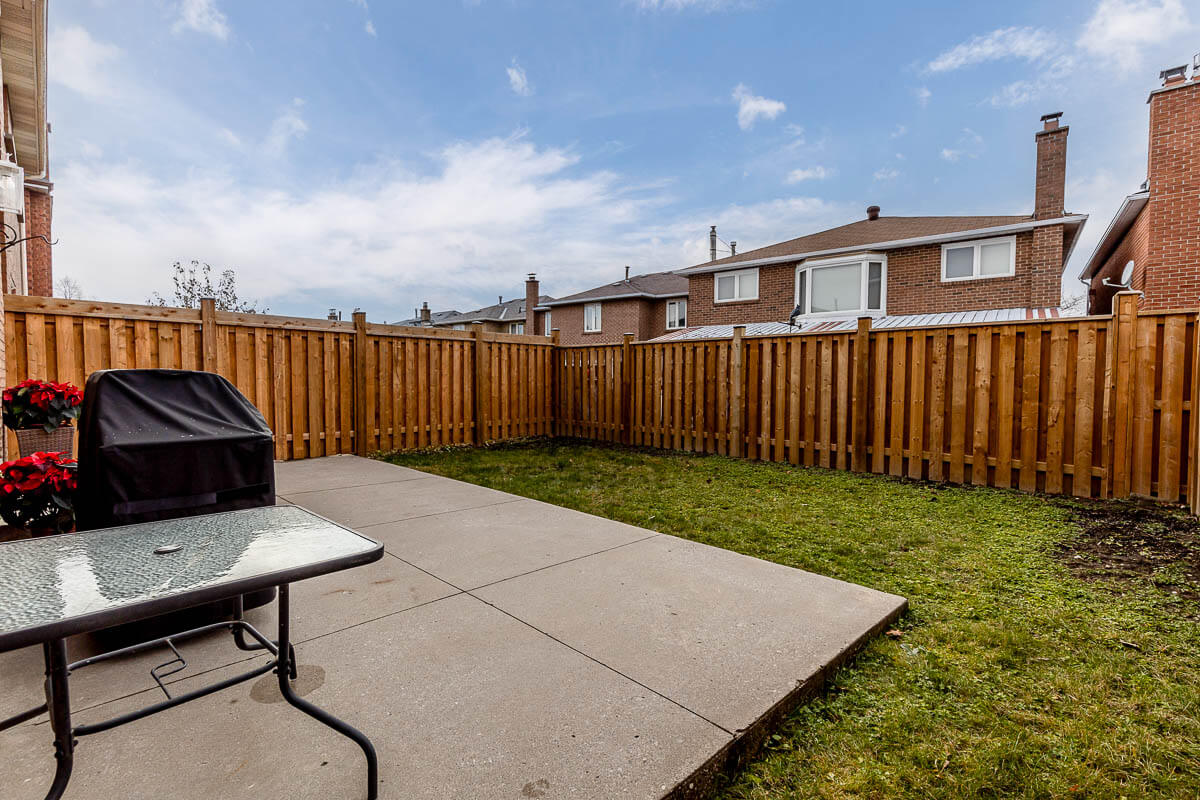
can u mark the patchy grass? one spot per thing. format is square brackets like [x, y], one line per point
[1020, 669]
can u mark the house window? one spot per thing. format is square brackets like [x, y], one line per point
[591, 318]
[676, 314]
[516, 327]
[842, 287]
[547, 330]
[733, 286]
[986, 258]
[459, 327]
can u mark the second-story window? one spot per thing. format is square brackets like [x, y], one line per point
[733, 286]
[516, 327]
[591, 318]
[676, 314]
[548, 330]
[842, 288]
[985, 258]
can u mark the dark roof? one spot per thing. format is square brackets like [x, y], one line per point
[865, 233]
[509, 311]
[435, 318]
[654, 284]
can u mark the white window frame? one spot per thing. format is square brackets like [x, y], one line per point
[864, 263]
[676, 303]
[517, 328]
[599, 319]
[737, 285]
[976, 258]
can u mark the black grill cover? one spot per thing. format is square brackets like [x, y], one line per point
[165, 443]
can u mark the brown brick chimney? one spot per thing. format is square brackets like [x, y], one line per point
[531, 301]
[1170, 274]
[1049, 197]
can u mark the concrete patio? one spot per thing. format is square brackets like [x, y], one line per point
[503, 648]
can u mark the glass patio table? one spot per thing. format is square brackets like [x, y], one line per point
[59, 586]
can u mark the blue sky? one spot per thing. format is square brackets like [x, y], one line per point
[362, 153]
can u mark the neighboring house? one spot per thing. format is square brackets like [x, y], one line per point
[25, 188]
[884, 266]
[645, 305]
[1153, 242]
[504, 317]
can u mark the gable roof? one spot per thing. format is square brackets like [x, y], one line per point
[652, 285]
[435, 318]
[1122, 221]
[891, 232]
[508, 311]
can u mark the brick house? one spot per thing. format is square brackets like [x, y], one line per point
[885, 266]
[25, 188]
[647, 306]
[504, 316]
[1152, 244]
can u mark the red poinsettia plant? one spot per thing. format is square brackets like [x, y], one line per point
[41, 404]
[38, 491]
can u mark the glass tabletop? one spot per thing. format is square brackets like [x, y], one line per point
[62, 585]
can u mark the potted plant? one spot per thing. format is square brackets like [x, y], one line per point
[38, 491]
[41, 412]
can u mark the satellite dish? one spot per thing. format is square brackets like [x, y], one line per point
[1127, 274]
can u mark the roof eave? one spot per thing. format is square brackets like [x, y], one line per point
[894, 244]
[1118, 226]
[567, 301]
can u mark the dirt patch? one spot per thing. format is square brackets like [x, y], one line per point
[1135, 541]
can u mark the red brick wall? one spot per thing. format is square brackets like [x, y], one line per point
[914, 285]
[1134, 247]
[645, 319]
[1172, 278]
[38, 211]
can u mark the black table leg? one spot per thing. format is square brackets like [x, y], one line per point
[58, 702]
[286, 668]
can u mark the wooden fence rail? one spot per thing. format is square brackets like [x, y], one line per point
[1092, 406]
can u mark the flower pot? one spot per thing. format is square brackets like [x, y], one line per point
[37, 440]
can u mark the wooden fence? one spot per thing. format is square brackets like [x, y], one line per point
[417, 387]
[1094, 406]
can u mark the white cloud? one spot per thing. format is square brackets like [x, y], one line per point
[370, 28]
[886, 173]
[898, 131]
[1119, 29]
[202, 16]
[287, 126]
[951, 155]
[229, 137]
[518, 80]
[1029, 44]
[475, 218]
[752, 106]
[81, 63]
[808, 174]
[923, 94]
[1017, 93]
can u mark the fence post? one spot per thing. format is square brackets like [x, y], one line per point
[361, 422]
[555, 367]
[480, 400]
[862, 371]
[1124, 346]
[208, 334]
[627, 389]
[736, 392]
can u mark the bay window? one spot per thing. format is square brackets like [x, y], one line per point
[676, 314]
[734, 286]
[837, 287]
[985, 258]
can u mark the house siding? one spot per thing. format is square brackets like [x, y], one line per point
[644, 318]
[1135, 247]
[914, 284]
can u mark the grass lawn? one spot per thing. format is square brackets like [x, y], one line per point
[1051, 649]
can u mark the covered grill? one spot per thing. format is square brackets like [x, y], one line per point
[164, 443]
